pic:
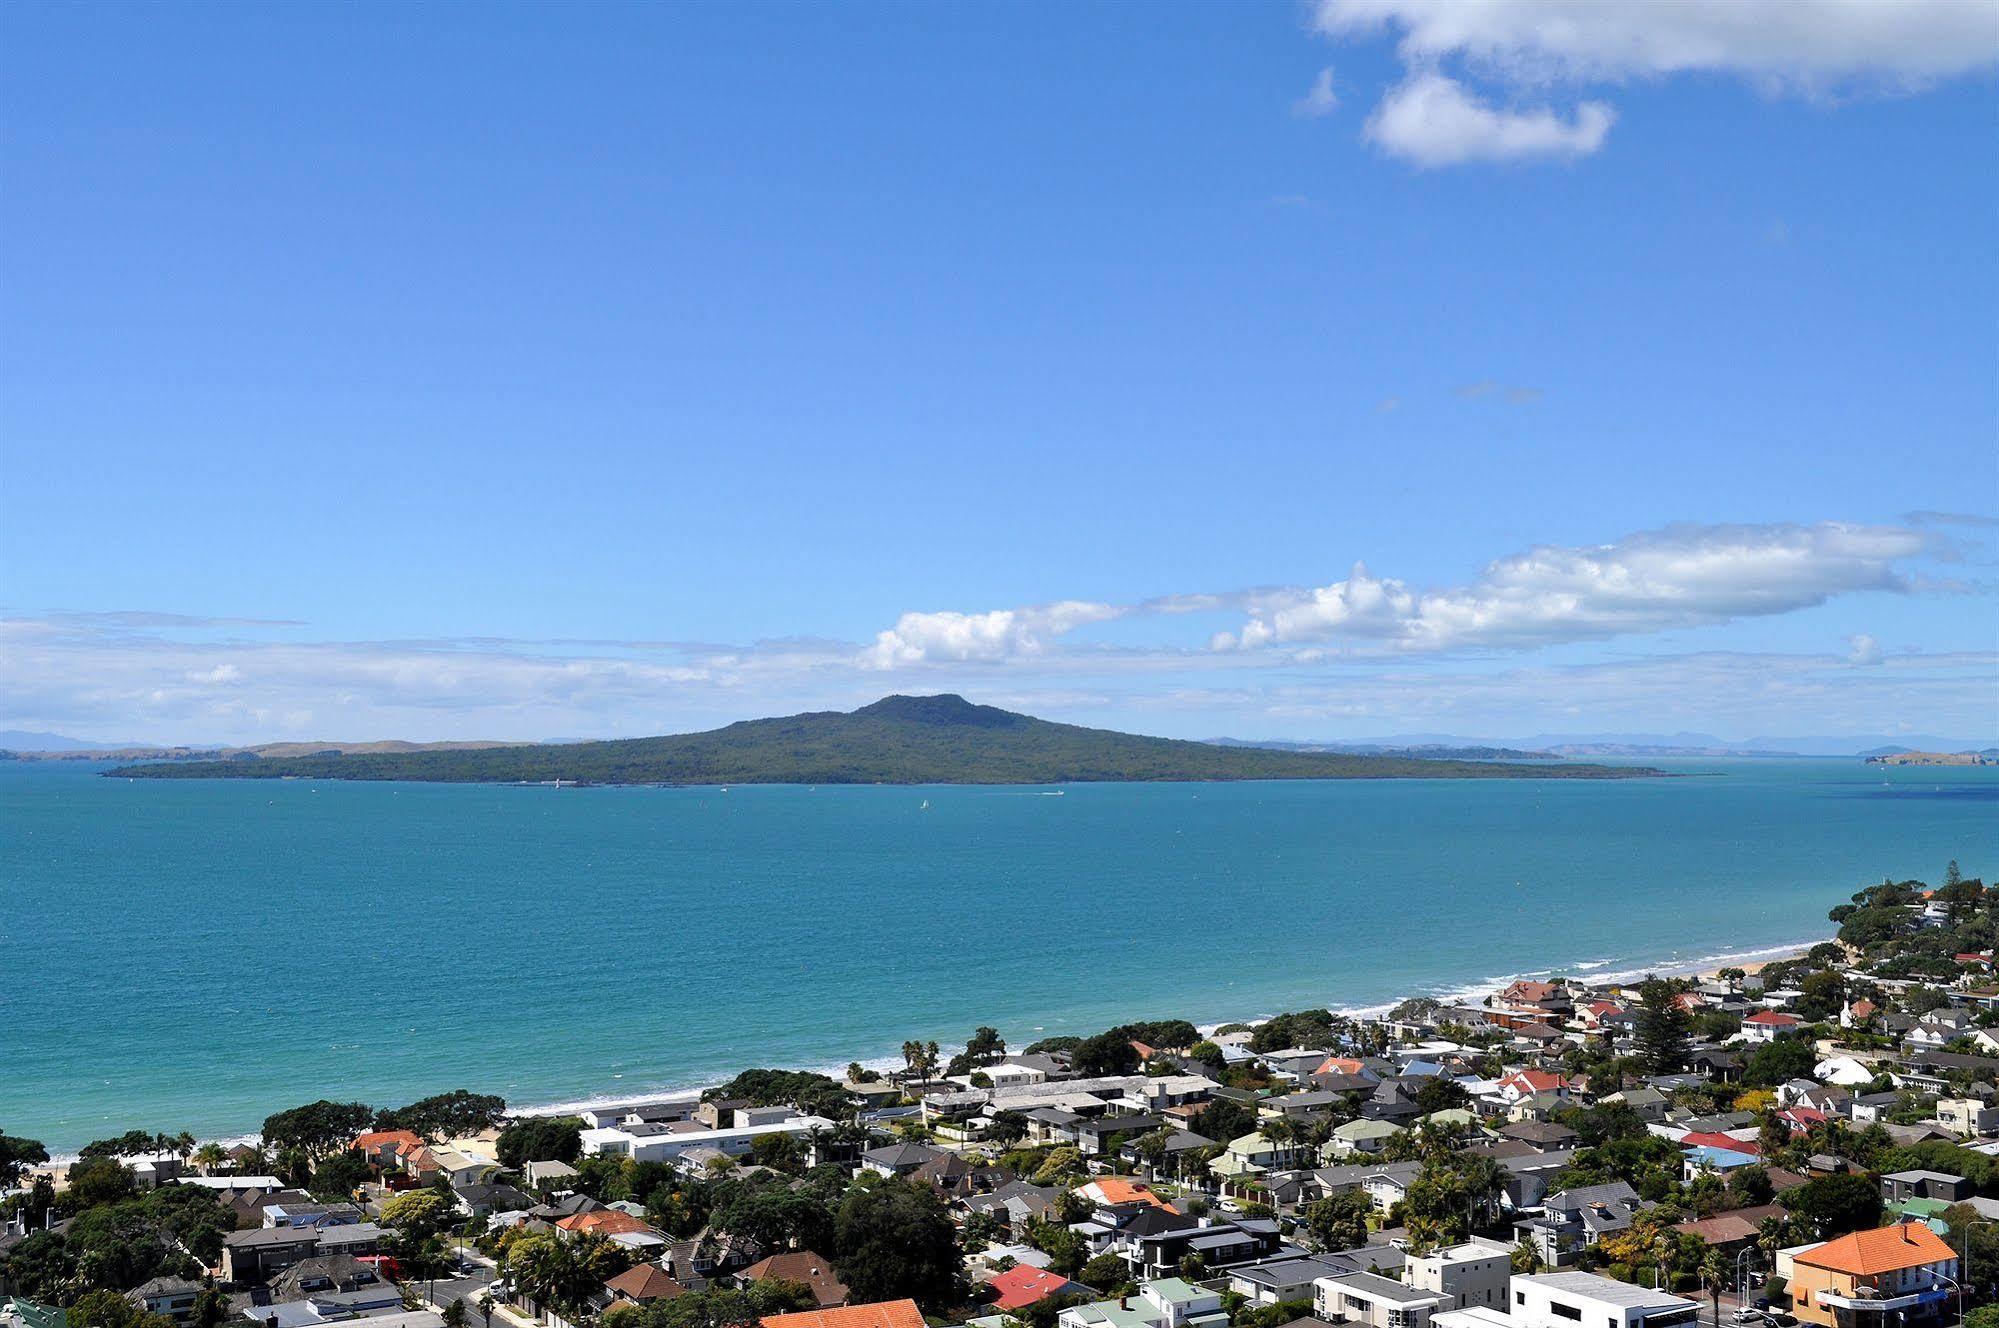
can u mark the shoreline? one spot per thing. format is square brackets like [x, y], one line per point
[1750, 960]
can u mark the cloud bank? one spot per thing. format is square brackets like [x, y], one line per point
[1378, 650]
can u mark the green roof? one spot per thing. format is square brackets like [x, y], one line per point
[39, 1316]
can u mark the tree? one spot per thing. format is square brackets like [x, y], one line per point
[540, 1139]
[985, 1046]
[897, 1241]
[446, 1115]
[1527, 1258]
[336, 1179]
[1339, 1221]
[17, 1155]
[209, 1157]
[1223, 1120]
[108, 1309]
[1662, 1027]
[1107, 1053]
[1106, 1272]
[414, 1210]
[1835, 1205]
[317, 1128]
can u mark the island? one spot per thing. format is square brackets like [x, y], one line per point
[897, 740]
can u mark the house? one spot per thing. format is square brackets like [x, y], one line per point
[1153, 1242]
[1117, 1192]
[667, 1143]
[1563, 1300]
[252, 1257]
[1541, 1136]
[1647, 1103]
[1730, 1231]
[1379, 1302]
[1522, 1084]
[1474, 1273]
[1361, 1136]
[1901, 1186]
[173, 1297]
[386, 1148]
[808, 1270]
[1844, 1071]
[1022, 1285]
[1166, 1302]
[1768, 1025]
[885, 1314]
[550, 1176]
[1572, 1220]
[642, 1284]
[1017, 1202]
[1967, 1117]
[1276, 1281]
[1899, 1274]
[895, 1160]
[1256, 1153]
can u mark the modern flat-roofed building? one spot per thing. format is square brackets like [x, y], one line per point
[1561, 1300]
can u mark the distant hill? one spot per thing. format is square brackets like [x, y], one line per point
[280, 750]
[897, 740]
[1428, 751]
[21, 740]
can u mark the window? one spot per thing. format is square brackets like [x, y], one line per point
[1520, 1298]
[1555, 1307]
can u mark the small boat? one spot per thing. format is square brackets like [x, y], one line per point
[925, 807]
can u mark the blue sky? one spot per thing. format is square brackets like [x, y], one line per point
[545, 371]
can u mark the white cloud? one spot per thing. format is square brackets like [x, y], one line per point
[1433, 120]
[1321, 100]
[919, 638]
[1863, 649]
[1814, 47]
[1798, 44]
[1684, 576]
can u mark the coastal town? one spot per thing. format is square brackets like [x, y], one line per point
[1811, 1140]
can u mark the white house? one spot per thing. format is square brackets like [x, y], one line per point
[658, 1143]
[1377, 1301]
[1563, 1300]
[1475, 1273]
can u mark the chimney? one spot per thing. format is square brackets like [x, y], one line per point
[1124, 1302]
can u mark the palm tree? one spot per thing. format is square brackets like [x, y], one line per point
[1714, 1272]
[210, 1156]
[1280, 1133]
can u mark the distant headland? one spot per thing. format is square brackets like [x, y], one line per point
[897, 740]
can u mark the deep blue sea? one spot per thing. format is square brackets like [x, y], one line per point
[194, 955]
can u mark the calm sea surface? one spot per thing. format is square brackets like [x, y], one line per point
[194, 955]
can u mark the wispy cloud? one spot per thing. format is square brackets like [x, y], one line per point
[1320, 100]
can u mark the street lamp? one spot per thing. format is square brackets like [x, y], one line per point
[1958, 1287]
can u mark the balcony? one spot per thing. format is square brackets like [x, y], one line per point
[1867, 1300]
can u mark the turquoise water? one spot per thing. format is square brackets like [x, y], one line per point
[194, 955]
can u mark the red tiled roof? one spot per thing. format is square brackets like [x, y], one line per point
[647, 1281]
[886, 1314]
[1711, 1139]
[1772, 1018]
[1021, 1286]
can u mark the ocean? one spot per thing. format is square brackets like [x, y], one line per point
[198, 954]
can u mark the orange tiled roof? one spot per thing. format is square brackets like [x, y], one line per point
[376, 1138]
[886, 1314]
[1883, 1250]
[608, 1221]
[1115, 1190]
